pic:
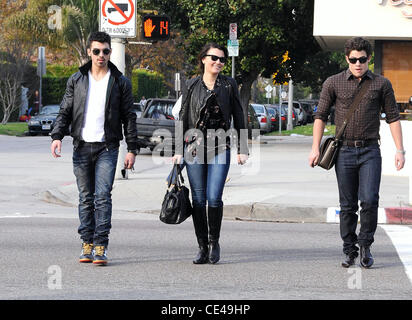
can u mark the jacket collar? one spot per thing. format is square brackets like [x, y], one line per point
[367, 74]
[84, 69]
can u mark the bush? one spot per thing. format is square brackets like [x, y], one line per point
[147, 83]
[53, 90]
[144, 83]
[54, 83]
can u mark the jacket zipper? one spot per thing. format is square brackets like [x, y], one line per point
[201, 109]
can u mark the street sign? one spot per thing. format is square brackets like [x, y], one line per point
[156, 27]
[118, 18]
[268, 95]
[233, 48]
[268, 88]
[233, 31]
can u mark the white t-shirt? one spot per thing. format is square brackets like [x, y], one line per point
[93, 126]
[176, 108]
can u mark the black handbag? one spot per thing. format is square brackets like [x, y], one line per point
[176, 206]
[329, 148]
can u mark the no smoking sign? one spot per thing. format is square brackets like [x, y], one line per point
[118, 18]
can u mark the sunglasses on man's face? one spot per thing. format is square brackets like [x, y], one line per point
[96, 52]
[361, 60]
[214, 58]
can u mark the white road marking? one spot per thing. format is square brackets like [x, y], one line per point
[401, 237]
[16, 215]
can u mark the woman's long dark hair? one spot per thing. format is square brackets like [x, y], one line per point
[205, 49]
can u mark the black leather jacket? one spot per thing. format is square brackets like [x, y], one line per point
[118, 109]
[194, 97]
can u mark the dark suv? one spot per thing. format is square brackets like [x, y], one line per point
[157, 115]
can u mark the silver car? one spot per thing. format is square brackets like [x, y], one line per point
[263, 117]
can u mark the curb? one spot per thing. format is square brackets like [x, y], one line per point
[266, 212]
[398, 215]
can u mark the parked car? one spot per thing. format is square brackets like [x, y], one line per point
[157, 114]
[300, 114]
[252, 121]
[308, 110]
[138, 109]
[263, 117]
[43, 122]
[294, 116]
[273, 116]
[283, 116]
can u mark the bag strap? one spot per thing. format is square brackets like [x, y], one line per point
[176, 168]
[355, 103]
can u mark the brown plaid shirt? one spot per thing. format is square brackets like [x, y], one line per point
[339, 90]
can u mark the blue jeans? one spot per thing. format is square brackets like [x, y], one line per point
[207, 180]
[358, 171]
[94, 167]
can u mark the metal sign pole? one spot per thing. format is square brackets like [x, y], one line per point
[280, 109]
[118, 59]
[41, 71]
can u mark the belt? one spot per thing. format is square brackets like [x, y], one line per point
[359, 143]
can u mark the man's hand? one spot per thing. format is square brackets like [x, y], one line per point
[242, 158]
[177, 158]
[129, 160]
[399, 160]
[56, 144]
[314, 157]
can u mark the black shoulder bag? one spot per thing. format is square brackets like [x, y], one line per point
[330, 146]
[176, 206]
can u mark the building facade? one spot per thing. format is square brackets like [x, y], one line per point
[387, 24]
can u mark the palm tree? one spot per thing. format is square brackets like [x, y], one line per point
[78, 18]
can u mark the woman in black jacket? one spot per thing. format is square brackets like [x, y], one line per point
[209, 102]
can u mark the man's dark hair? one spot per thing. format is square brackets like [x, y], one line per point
[358, 44]
[205, 49]
[99, 36]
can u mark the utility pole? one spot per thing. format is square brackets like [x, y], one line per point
[118, 59]
[41, 71]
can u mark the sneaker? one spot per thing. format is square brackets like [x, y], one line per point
[100, 255]
[87, 253]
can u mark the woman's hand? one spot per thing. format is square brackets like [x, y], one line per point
[177, 158]
[242, 158]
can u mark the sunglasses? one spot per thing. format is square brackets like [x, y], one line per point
[214, 58]
[361, 60]
[96, 52]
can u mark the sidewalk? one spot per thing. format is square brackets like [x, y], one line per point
[276, 185]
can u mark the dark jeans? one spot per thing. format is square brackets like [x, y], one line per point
[358, 171]
[94, 167]
[207, 180]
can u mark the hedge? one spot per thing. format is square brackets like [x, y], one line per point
[144, 83]
[147, 83]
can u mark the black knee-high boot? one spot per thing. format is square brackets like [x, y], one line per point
[200, 223]
[215, 216]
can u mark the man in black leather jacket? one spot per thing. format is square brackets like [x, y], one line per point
[97, 103]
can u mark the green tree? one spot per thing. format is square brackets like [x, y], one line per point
[266, 30]
[63, 25]
[16, 49]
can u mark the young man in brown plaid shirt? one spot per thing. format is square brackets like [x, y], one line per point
[359, 163]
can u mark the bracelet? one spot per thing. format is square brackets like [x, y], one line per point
[401, 151]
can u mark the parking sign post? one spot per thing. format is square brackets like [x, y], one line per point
[233, 45]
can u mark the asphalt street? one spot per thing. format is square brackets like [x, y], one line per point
[150, 260]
